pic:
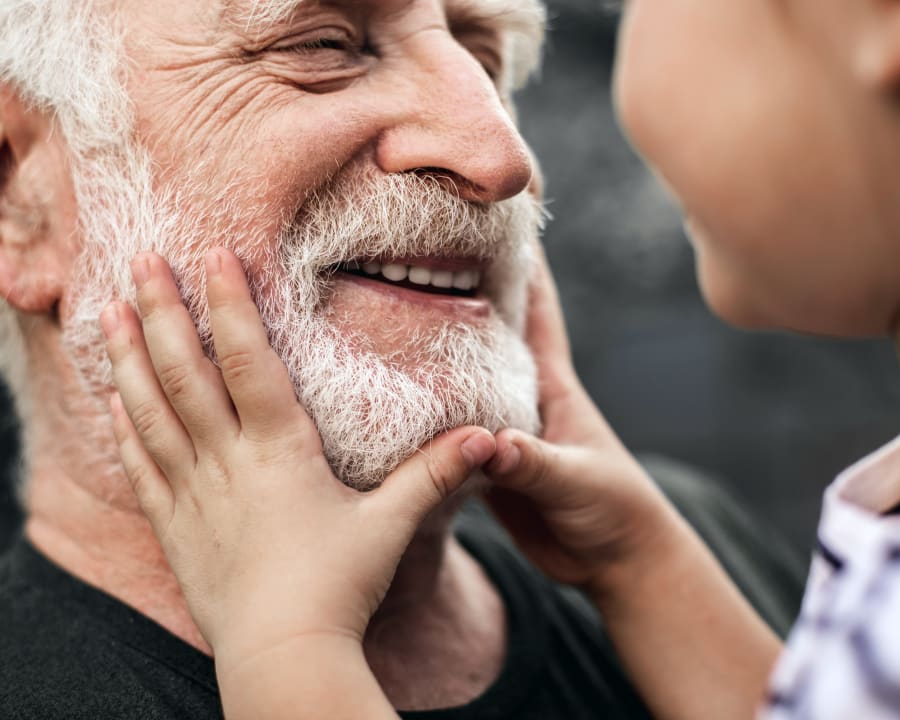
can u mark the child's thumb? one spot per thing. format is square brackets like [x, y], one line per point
[435, 472]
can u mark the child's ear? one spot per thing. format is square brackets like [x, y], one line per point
[36, 206]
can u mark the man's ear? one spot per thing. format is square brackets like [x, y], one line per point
[37, 207]
[878, 45]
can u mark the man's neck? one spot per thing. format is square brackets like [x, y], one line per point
[441, 609]
[109, 547]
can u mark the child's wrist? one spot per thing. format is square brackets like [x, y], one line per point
[238, 657]
[649, 554]
[310, 672]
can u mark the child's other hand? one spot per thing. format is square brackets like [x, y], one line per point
[577, 502]
[268, 546]
[585, 512]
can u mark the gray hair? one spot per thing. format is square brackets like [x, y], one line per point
[64, 57]
[61, 57]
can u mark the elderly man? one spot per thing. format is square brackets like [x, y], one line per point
[360, 158]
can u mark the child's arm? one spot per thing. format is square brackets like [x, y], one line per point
[281, 565]
[586, 512]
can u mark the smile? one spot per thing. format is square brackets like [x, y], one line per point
[454, 278]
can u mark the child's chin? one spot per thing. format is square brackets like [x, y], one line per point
[748, 304]
[727, 298]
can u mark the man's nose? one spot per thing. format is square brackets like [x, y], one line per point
[454, 126]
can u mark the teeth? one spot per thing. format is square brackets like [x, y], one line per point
[442, 279]
[395, 273]
[420, 276]
[464, 280]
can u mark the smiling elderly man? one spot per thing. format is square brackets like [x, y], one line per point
[360, 158]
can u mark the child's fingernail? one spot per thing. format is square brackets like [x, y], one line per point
[213, 263]
[140, 270]
[508, 461]
[477, 449]
[109, 320]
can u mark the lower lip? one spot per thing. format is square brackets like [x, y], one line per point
[475, 307]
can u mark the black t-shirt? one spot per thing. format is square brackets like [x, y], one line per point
[68, 650]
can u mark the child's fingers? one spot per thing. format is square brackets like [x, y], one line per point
[434, 473]
[151, 487]
[191, 382]
[258, 382]
[525, 464]
[157, 427]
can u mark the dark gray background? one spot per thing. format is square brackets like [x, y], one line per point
[774, 417]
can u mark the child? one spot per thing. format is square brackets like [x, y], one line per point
[776, 123]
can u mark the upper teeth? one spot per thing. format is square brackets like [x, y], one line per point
[418, 275]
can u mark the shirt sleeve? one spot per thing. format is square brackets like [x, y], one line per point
[842, 659]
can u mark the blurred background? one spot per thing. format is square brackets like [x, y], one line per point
[771, 417]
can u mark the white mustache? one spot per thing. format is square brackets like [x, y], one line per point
[358, 217]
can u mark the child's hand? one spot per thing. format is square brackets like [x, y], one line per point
[268, 546]
[585, 512]
[576, 501]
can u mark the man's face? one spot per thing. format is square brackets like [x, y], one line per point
[759, 117]
[360, 158]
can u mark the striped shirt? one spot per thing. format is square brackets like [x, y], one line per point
[842, 659]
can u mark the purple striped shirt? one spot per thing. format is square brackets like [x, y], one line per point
[842, 659]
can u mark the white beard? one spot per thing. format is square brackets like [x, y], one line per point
[371, 412]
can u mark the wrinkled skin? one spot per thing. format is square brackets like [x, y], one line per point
[274, 123]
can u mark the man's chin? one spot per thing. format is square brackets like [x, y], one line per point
[375, 409]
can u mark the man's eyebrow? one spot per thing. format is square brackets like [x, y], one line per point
[521, 24]
[524, 14]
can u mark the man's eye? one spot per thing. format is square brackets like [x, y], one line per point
[332, 41]
[313, 45]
